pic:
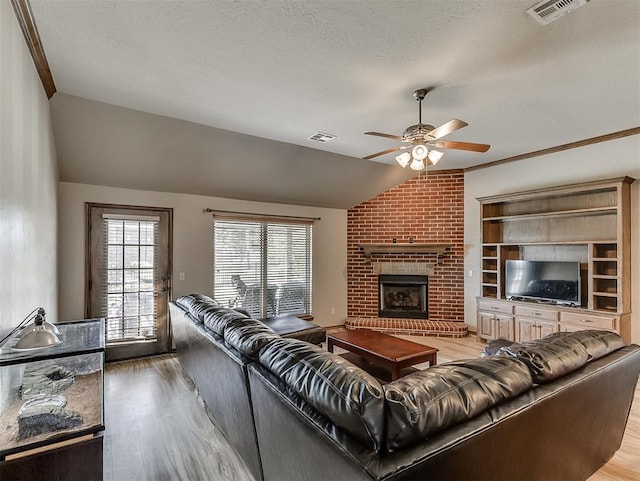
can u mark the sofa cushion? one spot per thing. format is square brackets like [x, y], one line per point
[248, 336]
[288, 325]
[196, 304]
[429, 401]
[199, 309]
[188, 300]
[598, 343]
[550, 357]
[185, 301]
[352, 399]
[217, 319]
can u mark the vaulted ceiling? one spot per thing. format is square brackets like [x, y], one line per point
[279, 71]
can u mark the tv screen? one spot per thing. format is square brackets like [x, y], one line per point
[552, 281]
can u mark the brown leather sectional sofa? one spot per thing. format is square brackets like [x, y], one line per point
[550, 409]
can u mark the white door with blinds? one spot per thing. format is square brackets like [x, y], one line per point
[263, 265]
[128, 279]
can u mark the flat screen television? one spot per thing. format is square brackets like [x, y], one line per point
[548, 281]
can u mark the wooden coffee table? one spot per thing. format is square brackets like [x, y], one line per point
[382, 350]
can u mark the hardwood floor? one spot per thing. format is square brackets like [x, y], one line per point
[158, 429]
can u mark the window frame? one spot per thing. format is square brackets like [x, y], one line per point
[270, 307]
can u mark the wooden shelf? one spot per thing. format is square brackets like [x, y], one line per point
[438, 249]
[587, 223]
[562, 213]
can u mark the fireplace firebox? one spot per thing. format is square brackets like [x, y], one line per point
[403, 296]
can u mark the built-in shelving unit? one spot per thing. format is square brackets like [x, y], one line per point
[588, 223]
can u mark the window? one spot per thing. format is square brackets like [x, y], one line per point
[130, 297]
[262, 266]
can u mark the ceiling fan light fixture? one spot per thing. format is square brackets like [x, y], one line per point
[417, 164]
[420, 152]
[421, 136]
[403, 159]
[434, 156]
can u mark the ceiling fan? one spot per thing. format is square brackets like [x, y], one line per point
[422, 138]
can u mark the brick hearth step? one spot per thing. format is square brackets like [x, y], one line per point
[409, 327]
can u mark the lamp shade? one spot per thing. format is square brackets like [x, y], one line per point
[420, 152]
[434, 156]
[37, 337]
[417, 164]
[403, 159]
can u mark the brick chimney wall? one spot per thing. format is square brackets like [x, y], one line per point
[430, 211]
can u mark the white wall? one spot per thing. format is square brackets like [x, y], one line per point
[600, 161]
[28, 183]
[192, 244]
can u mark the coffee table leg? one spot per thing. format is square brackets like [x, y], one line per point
[434, 359]
[329, 345]
[395, 373]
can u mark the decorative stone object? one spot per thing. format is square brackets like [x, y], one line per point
[46, 419]
[38, 402]
[45, 378]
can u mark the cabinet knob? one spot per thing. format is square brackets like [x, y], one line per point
[536, 313]
[586, 320]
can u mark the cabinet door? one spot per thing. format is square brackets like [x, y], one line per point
[546, 328]
[486, 325]
[564, 327]
[526, 329]
[504, 327]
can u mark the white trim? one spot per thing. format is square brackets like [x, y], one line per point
[151, 218]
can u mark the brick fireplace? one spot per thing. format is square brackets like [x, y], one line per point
[417, 212]
[403, 296]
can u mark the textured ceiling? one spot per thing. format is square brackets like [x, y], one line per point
[283, 70]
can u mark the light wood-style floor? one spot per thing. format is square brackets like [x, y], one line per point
[158, 428]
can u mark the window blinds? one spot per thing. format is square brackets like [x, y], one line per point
[263, 266]
[128, 294]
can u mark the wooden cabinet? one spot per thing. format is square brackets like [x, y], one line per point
[580, 319]
[504, 327]
[589, 223]
[524, 321]
[530, 329]
[495, 320]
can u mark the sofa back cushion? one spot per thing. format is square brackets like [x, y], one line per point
[598, 343]
[219, 318]
[352, 399]
[550, 357]
[196, 305]
[248, 336]
[428, 401]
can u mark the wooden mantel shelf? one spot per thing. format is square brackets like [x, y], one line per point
[438, 249]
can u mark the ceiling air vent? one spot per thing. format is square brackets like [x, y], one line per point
[547, 11]
[321, 137]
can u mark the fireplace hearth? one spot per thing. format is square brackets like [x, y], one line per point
[404, 296]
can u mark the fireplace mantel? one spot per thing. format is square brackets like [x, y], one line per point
[438, 249]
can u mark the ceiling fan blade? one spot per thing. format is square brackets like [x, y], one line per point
[387, 151]
[388, 136]
[448, 144]
[445, 129]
